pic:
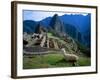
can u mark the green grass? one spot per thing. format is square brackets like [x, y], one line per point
[84, 61]
[49, 34]
[52, 58]
[50, 61]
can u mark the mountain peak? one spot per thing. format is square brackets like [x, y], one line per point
[57, 25]
[55, 19]
[56, 15]
[40, 28]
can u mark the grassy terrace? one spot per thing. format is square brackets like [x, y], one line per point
[51, 60]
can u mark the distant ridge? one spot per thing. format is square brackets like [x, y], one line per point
[76, 26]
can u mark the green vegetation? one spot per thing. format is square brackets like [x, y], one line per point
[84, 49]
[49, 34]
[50, 61]
[84, 61]
[57, 38]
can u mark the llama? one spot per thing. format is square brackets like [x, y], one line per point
[70, 57]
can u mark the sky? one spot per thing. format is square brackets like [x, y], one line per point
[39, 15]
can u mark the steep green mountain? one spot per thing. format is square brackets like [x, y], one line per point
[63, 26]
[29, 26]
